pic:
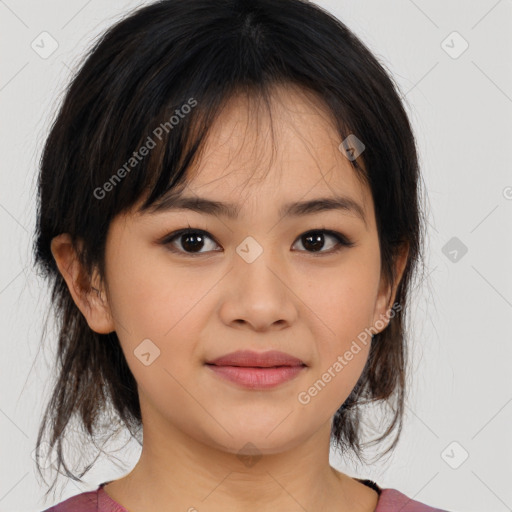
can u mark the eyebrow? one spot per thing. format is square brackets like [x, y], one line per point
[231, 211]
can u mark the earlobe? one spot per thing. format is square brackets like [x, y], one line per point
[86, 292]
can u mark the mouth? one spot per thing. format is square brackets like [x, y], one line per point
[253, 377]
[253, 370]
[249, 358]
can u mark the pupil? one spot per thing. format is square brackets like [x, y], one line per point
[317, 242]
[191, 245]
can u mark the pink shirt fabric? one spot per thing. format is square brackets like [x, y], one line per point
[390, 500]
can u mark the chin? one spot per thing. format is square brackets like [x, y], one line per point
[255, 442]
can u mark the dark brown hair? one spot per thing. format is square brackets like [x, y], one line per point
[142, 71]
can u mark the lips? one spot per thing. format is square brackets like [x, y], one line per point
[257, 370]
[248, 358]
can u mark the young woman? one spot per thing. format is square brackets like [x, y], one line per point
[229, 217]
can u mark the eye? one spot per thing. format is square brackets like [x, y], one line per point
[190, 240]
[315, 241]
[193, 240]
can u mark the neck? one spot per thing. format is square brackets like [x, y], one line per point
[176, 472]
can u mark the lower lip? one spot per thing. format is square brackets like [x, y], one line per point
[257, 378]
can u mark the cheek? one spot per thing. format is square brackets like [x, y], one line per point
[156, 311]
[341, 355]
[344, 306]
[153, 298]
[344, 297]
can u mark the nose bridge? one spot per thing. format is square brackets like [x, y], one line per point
[261, 290]
[255, 260]
[256, 296]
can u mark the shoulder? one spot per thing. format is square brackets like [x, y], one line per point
[85, 502]
[390, 499]
[91, 501]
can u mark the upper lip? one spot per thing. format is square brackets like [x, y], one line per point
[257, 359]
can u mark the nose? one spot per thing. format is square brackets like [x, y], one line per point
[257, 294]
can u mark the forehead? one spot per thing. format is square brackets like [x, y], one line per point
[285, 152]
[265, 161]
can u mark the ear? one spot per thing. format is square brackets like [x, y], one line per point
[87, 293]
[387, 291]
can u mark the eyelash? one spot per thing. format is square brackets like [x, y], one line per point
[343, 241]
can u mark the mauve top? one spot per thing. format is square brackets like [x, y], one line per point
[390, 500]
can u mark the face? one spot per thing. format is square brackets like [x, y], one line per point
[259, 281]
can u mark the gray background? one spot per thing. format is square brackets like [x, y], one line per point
[460, 105]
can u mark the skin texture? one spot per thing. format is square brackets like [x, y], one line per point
[196, 308]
